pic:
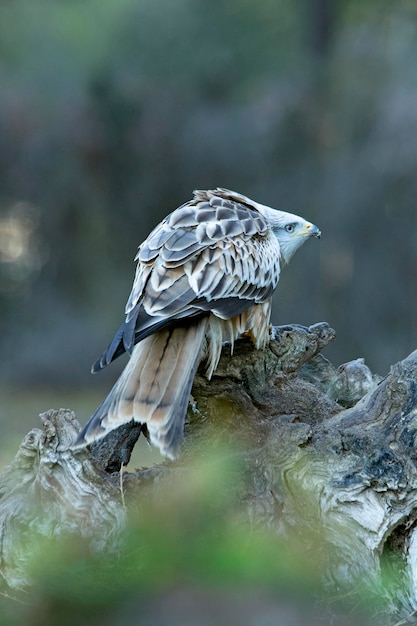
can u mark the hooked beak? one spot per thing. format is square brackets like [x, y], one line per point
[311, 231]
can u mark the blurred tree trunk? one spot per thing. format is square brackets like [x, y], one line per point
[326, 454]
[320, 17]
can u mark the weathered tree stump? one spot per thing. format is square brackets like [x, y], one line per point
[328, 454]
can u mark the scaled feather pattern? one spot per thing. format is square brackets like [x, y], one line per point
[205, 276]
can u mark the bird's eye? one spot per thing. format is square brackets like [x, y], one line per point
[290, 228]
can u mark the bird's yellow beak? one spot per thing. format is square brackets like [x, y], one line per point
[310, 230]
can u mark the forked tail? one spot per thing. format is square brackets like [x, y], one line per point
[154, 388]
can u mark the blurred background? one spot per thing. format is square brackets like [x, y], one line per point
[111, 113]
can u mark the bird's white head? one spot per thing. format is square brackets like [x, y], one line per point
[290, 230]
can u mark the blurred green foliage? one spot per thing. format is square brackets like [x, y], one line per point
[188, 556]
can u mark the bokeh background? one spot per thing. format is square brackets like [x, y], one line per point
[111, 113]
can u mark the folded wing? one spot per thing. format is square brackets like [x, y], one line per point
[214, 254]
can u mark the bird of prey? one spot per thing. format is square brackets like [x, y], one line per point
[205, 276]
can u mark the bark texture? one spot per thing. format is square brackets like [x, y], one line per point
[328, 454]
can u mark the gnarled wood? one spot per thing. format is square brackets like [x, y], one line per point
[329, 454]
[48, 491]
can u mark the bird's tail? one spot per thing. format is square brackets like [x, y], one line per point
[154, 388]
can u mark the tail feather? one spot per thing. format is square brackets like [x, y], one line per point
[155, 385]
[154, 388]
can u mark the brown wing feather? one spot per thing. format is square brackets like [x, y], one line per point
[215, 247]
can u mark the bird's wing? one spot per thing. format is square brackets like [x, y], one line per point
[215, 253]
